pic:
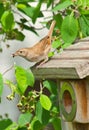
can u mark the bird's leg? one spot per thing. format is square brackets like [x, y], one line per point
[44, 61]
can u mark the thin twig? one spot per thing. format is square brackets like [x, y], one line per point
[7, 70]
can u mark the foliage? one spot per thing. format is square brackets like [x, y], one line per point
[72, 22]
[68, 14]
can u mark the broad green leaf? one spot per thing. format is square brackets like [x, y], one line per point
[36, 11]
[49, 2]
[45, 102]
[24, 118]
[56, 44]
[24, 78]
[13, 126]
[5, 123]
[63, 5]
[84, 25]
[7, 21]
[57, 124]
[51, 86]
[69, 29]
[42, 115]
[1, 10]
[36, 125]
[28, 10]
[1, 85]
[58, 19]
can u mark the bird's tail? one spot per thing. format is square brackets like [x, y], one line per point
[51, 28]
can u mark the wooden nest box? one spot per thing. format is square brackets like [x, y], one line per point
[70, 69]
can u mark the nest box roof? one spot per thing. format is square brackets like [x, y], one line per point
[72, 63]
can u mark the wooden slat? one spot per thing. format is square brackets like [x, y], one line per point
[73, 55]
[72, 63]
[76, 46]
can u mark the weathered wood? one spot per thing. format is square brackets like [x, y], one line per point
[81, 90]
[71, 63]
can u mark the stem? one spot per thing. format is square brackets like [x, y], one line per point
[7, 70]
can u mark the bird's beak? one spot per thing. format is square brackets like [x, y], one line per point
[15, 54]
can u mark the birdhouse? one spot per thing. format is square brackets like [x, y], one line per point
[70, 69]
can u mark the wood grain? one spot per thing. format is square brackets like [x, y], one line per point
[73, 63]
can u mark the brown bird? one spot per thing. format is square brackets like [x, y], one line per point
[38, 52]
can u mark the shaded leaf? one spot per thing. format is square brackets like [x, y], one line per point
[51, 86]
[49, 2]
[5, 123]
[36, 125]
[84, 25]
[36, 11]
[15, 34]
[18, 35]
[63, 5]
[69, 29]
[45, 102]
[28, 10]
[24, 119]
[56, 44]
[42, 115]
[1, 10]
[7, 21]
[58, 19]
[24, 78]
[13, 126]
[57, 123]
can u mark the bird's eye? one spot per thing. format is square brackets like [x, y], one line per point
[20, 51]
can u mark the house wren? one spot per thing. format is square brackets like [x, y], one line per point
[38, 52]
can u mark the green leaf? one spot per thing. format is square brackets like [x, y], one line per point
[23, 1]
[56, 44]
[1, 10]
[45, 102]
[1, 85]
[36, 11]
[50, 54]
[42, 115]
[84, 25]
[5, 123]
[57, 124]
[51, 86]
[69, 29]
[36, 125]
[7, 21]
[24, 118]
[13, 126]
[49, 2]
[18, 35]
[29, 11]
[24, 78]
[82, 3]
[63, 5]
[58, 18]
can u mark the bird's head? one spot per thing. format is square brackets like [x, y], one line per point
[21, 52]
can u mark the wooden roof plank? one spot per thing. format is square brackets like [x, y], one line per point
[72, 63]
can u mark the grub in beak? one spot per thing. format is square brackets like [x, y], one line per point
[14, 54]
